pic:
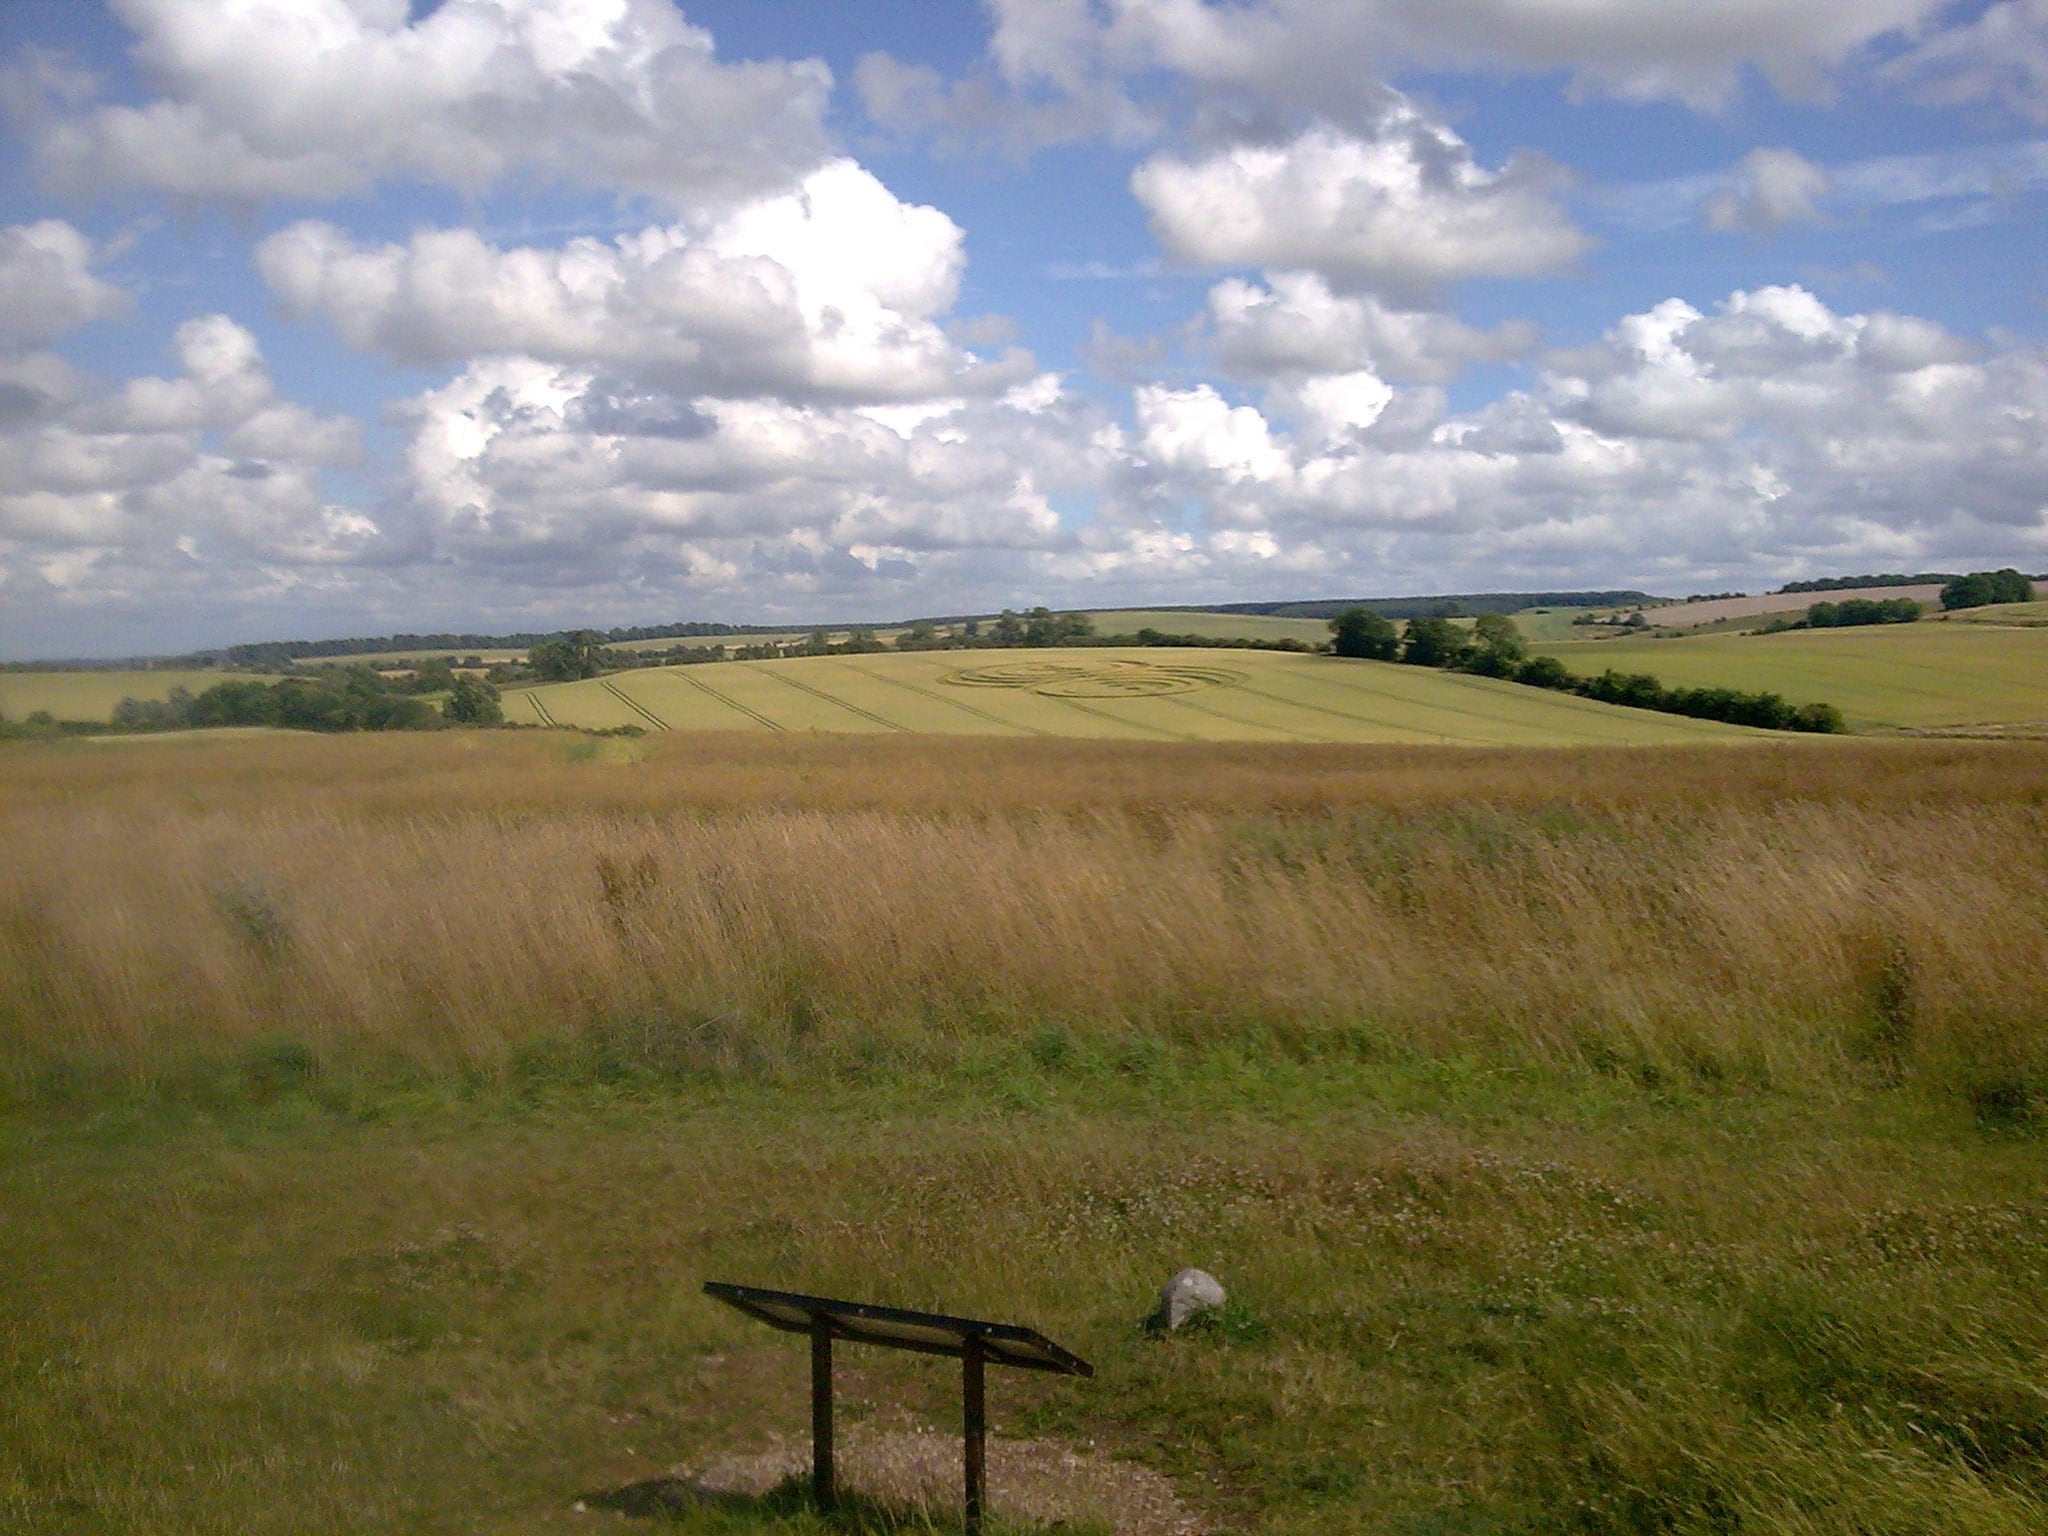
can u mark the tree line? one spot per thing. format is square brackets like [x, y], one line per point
[357, 699]
[1494, 647]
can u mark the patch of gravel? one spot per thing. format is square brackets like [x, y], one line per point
[1030, 1482]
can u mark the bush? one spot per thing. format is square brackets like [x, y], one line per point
[1545, 672]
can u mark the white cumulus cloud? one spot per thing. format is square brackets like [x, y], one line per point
[110, 480]
[1060, 69]
[1293, 324]
[1770, 189]
[1402, 214]
[47, 286]
[324, 98]
[834, 290]
[1999, 57]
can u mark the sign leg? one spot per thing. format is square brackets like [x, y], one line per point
[822, 1490]
[976, 1432]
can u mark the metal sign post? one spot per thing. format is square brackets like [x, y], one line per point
[974, 1342]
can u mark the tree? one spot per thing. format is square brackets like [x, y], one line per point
[1432, 642]
[473, 701]
[1496, 648]
[1362, 633]
[568, 657]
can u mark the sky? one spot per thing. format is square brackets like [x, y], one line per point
[349, 317]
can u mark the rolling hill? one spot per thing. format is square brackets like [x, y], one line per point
[1930, 676]
[1179, 695]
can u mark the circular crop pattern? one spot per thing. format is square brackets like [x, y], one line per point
[1094, 679]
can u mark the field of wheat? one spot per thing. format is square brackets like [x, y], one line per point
[1105, 693]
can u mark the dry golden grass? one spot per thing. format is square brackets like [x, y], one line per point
[450, 904]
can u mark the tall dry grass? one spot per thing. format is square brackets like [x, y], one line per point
[452, 905]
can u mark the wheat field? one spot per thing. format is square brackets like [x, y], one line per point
[1105, 693]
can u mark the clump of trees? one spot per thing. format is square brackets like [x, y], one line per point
[1855, 612]
[355, 700]
[1368, 636]
[568, 658]
[1980, 589]
[1494, 647]
[474, 701]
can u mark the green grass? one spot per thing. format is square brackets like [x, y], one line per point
[2026, 615]
[1930, 675]
[1221, 695]
[93, 695]
[1466, 1298]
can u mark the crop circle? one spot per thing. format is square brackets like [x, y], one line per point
[1057, 679]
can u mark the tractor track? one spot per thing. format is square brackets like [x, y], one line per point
[940, 698]
[752, 714]
[635, 705]
[819, 693]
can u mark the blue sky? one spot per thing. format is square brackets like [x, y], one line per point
[347, 316]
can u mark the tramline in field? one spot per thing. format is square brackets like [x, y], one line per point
[1145, 695]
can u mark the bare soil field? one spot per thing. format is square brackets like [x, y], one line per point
[1689, 615]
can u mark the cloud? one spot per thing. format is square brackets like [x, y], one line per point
[1293, 325]
[1975, 183]
[1761, 437]
[47, 286]
[1058, 70]
[1402, 214]
[2000, 58]
[1768, 190]
[325, 98]
[1770, 437]
[1767, 435]
[92, 482]
[521, 466]
[833, 290]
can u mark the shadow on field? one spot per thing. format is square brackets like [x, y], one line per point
[675, 1498]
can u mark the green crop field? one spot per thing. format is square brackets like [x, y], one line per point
[1932, 675]
[1146, 695]
[1211, 626]
[2022, 615]
[93, 695]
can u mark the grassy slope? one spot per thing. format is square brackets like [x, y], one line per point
[2025, 615]
[1927, 675]
[1266, 696]
[93, 695]
[1471, 1300]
